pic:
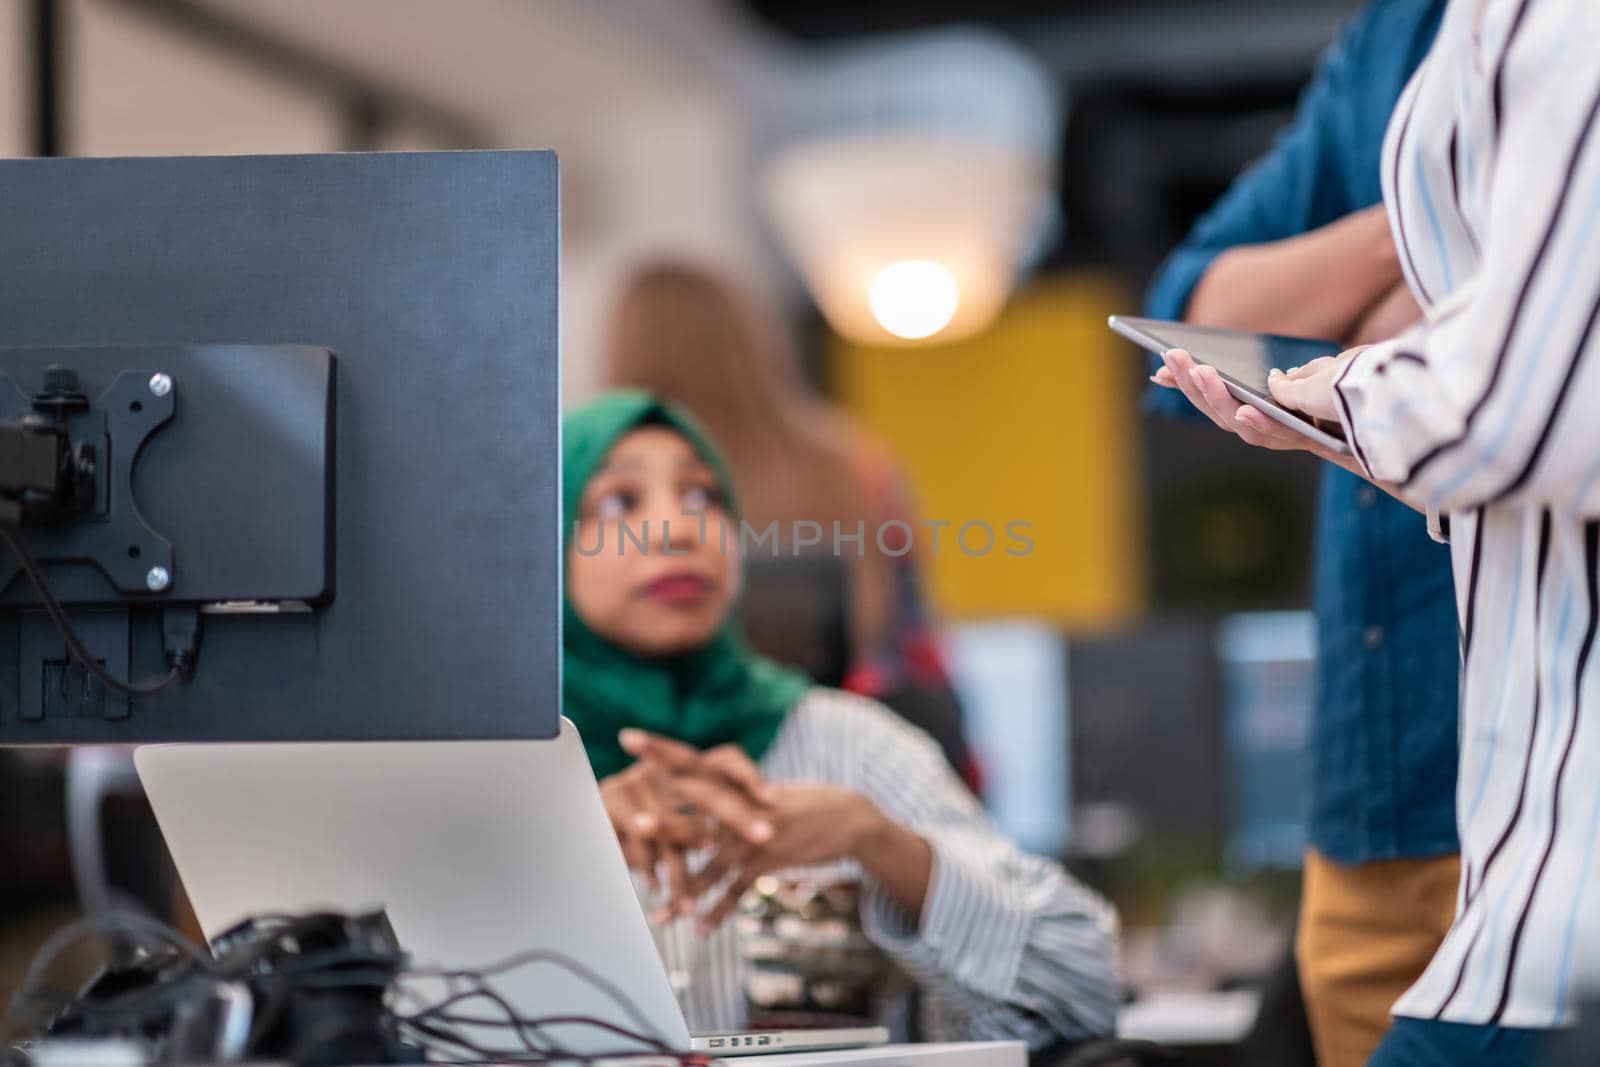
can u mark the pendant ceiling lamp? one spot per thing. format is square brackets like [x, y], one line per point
[921, 186]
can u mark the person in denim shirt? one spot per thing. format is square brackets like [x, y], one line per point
[1299, 244]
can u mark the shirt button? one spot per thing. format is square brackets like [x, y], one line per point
[1366, 496]
[1372, 636]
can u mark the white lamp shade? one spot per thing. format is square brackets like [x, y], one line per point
[884, 225]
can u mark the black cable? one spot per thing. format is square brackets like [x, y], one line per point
[134, 1003]
[126, 923]
[484, 1055]
[566, 963]
[63, 625]
[432, 1025]
[493, 1055]
[337, 957]
[427, 1019]
[345, 980]
[130, 924]
[512, 1019]
[544, 1021]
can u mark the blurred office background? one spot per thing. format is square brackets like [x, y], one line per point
[988, 179]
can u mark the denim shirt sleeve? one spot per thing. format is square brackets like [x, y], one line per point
[1385, 724]
[1303, 182]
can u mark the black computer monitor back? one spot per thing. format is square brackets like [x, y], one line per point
[390, 559]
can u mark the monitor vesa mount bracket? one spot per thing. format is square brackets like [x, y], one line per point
[66, 461]
[133, 516]
[66, 472]
[134, 496]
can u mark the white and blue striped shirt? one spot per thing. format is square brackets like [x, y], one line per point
[1009, 946]
[1488, 413]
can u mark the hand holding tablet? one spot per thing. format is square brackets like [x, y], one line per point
[1309, 389]
[1241, 362]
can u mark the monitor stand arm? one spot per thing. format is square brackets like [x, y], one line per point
[46, 477]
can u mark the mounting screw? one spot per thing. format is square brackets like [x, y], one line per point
[158, 578]
[161, 384]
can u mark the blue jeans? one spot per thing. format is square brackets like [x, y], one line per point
[1425, 1043]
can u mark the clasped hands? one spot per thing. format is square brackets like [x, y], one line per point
[676, 802]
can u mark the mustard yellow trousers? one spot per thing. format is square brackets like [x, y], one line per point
[1366, 933]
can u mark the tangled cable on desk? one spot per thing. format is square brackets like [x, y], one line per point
[318, 990]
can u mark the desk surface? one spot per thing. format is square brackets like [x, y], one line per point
[1191, 1018]
[966, 1054]
[971, 1054]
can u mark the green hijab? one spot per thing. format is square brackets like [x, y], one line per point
[711, 696]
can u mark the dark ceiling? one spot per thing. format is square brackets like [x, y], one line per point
[1201, 45]
[830, 20]
[813, 21]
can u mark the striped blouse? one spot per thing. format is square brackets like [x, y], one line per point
[1488, 413]
[1009, 946]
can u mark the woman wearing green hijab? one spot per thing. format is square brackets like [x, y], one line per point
[719, 766]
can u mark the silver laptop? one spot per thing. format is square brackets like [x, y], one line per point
[476, 850]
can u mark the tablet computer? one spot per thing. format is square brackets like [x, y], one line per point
[1242, 359]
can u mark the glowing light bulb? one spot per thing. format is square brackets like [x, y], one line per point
[914, 298]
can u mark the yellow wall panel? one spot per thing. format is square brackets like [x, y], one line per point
[1033, 421]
